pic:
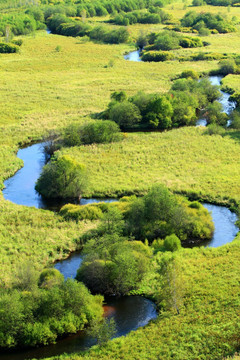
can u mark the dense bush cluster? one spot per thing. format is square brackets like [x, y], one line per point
[60, 24]
[101, 8]
[155, 215]
[156, 111]
[157, 45]
[38, 311]
[223, 2]
[170, 40]
[157, 56]
[113, 265]
[90, 133]
[62, 178]
[20, 24]
[159, 214]
[142, 18]
[216, 23]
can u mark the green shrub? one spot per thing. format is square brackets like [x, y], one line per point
[215, 115]
[189, 74]
[17, 42]
[63, 178]
[195, 205]
[8, 48]
[214, 129]
[49, 278]
[125, 114]
[113, 265]
[81, 212]
[157, 56]
[227, 66]
[235, 120]
[90, 133]
[172, 243]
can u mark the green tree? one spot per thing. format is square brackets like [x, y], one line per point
[125, 114]
[112, 221]
[214, 114]
[103, 330]
[159, 113]
[171, 292]
[63, 178]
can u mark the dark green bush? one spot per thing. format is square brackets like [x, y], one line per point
[207, 20]
[94, 132]
[49, 278]
[113, 265]
[157, 56]
[39, 317]
[172, 243]
[62, 178]
[125, 114]
[189, 74]
[17, 42]
[8, 48]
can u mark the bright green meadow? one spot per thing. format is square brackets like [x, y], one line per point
[55, 81]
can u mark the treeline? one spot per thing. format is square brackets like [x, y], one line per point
[222, 2]
[162, 111]
[154, 16]
[88, 8]
[60, 24]
[214, 22]
[39, 309]
[21, 24]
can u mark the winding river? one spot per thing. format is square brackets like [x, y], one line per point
[129, 312]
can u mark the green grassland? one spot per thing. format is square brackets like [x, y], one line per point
[232, 82]
[36, 236]
[183, 159]
[43, 89]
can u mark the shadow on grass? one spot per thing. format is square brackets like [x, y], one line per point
[234, 134]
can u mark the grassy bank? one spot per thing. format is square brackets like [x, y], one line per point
[184, 159]
[36, 236]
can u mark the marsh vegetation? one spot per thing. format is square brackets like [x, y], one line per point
[133, 246]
